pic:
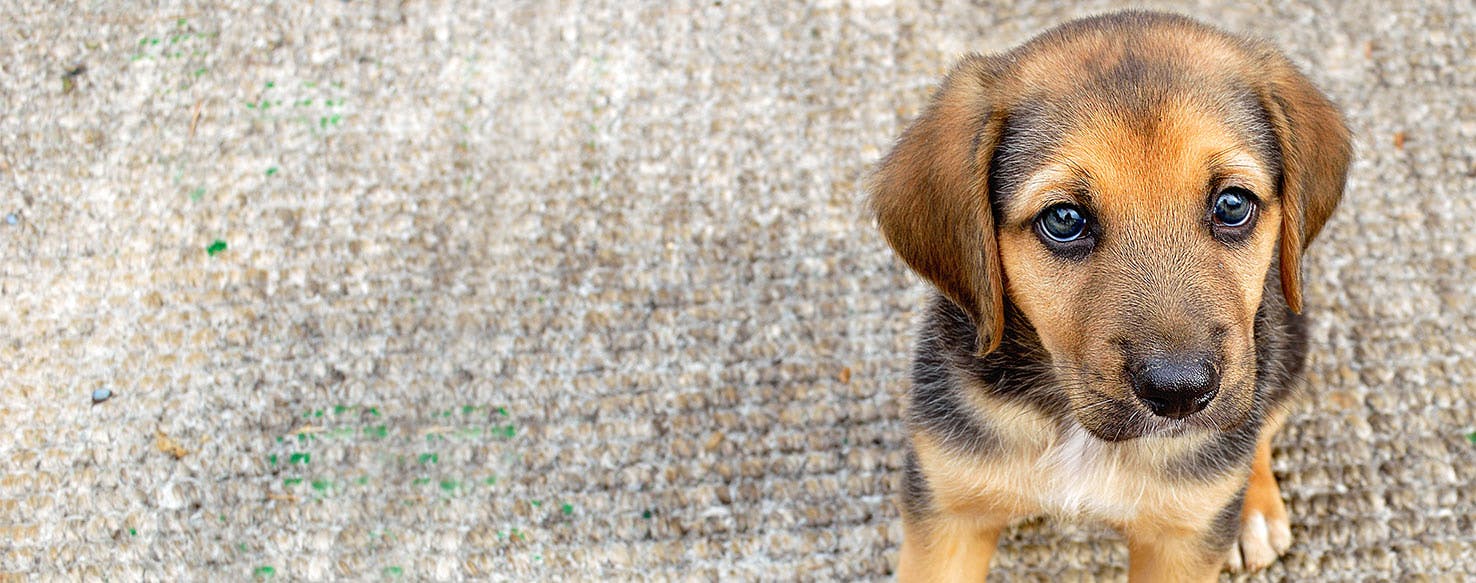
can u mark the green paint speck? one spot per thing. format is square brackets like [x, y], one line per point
[430, 458]
[509, 432]
[242, 547]
[180, 22]
[264, 571]
[321, 485]
[279, 439]
[374, 411]
[271, 84]
[289, 482]
[339, 409]
[568, 509]
[300, 458]
[378, 431]
[449, 485]
[197, 194]
[272, 458]
[222, 518]
[215, 248]
[200, 71]
[271, 171]
[467, 409]
[420, 481]
[646, 515]
[132, 532]
[318, 413]
[363, 480]
[334, 120]
[490, 481]
[502, 411]
[393, 571]
[1471, 437]
[537, 503]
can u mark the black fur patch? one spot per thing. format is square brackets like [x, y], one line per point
[939, 404]
[945, 367]
[1031, 134]
[917, 497]
[1226, 527]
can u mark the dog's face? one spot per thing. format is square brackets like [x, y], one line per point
[1138, 245]
[1129, 196]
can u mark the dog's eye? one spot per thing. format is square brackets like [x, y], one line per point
[1233, 207]
[1062, 223]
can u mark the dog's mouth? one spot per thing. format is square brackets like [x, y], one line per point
[1111, 418]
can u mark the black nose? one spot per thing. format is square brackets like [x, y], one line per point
[1175, 385]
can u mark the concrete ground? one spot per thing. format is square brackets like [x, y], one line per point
[584, 291]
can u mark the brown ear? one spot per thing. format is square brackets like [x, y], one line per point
[931, 197]
[1315, 150]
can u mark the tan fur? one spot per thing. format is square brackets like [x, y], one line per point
[1262, 494]
[948, 550]
[1149, 173]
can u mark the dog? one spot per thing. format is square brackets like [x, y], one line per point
[1113, 216]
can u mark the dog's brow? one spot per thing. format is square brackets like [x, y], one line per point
[1059, 175]
[1236, 161]
[1234, 158]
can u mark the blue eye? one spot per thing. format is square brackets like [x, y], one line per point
[1233, 208]
[1062, 223]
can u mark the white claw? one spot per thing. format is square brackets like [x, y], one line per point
[1281, 535]
[1233, 561]
[1255, 542]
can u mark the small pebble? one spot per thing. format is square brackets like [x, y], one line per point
[11, 219]
[101, 395]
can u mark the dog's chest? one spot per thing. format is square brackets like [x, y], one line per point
[1078, 474]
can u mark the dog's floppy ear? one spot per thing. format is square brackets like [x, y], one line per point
[931, 197]
[1315, 150]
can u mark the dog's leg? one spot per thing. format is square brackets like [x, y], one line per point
[947, 549]
[1157, 555]
[1265, 530]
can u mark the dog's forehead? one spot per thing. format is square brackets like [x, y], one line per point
[1126, 103]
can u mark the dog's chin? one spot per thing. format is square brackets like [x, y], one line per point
[1116, 420]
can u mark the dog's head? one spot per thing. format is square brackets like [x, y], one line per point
[1131, 184]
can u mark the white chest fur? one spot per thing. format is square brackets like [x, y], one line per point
[1078, 474]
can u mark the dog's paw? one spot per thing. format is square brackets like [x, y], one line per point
[1264, 536]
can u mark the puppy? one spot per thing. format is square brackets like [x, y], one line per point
[1114, 216]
